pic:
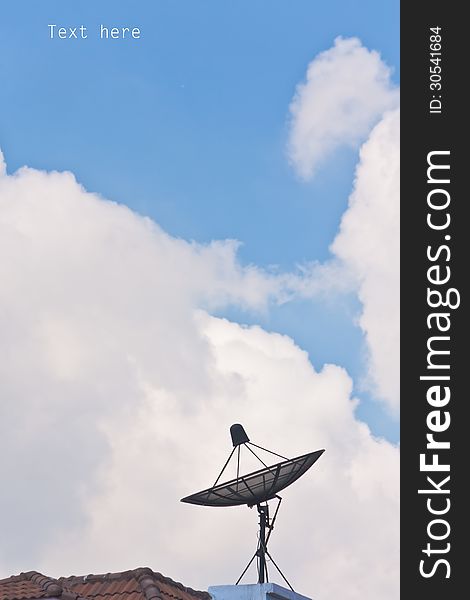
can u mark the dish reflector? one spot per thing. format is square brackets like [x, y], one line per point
[258, 486]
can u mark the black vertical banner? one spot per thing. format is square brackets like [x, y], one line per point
[434, 249]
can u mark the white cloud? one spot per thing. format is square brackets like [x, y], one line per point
[118, 391]
[346, 541]
[368, 244]
[91, 295]
[345, 100]
[3, 166]
[347, 89]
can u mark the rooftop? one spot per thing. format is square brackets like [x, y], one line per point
[137, 584]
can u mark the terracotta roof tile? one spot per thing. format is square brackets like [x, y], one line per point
[14, 589]
[28, 585]
[137, 584]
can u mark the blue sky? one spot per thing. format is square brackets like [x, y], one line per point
[189, 126]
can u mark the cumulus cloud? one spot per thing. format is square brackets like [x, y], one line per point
[348, 98]
[346, 541]
[347, 90]
[118, 390]
[2, 165]
[91, 295]
[366, 259]
[368, 244]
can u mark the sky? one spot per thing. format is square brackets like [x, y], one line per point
[205, 232]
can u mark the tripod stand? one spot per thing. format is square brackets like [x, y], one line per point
[262, 553]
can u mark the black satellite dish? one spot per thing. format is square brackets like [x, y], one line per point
[256, 488]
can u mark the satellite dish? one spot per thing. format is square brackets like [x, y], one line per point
[256, 488]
